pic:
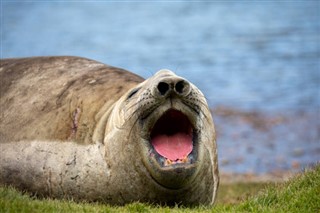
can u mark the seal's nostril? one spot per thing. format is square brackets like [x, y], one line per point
[179, 87]
[163, 88]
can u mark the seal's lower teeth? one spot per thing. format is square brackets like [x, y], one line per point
[184, 160]
[168, 162]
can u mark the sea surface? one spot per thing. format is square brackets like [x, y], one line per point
[257, 62]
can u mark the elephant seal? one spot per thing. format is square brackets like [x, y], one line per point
[75, 128]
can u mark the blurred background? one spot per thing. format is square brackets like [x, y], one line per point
[257, 62]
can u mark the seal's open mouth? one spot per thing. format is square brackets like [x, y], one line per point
[173, 139]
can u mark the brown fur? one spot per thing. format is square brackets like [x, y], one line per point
[49, 103]
[63, 95]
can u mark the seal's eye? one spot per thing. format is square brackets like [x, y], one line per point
[133, 92]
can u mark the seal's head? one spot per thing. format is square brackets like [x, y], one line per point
[170, 120]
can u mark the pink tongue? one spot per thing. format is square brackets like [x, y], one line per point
[173, 147]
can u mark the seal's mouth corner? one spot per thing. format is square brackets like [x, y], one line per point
[172, 139]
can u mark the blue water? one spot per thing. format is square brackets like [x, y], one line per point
[259, 55]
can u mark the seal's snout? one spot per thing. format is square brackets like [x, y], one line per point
[170, 85]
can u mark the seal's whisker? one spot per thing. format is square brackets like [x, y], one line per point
[203, 112]
[199, 108]
[135, 112]
[134, 124]
[204, 104]
[132, 105]
[206, 116]
[152, 95]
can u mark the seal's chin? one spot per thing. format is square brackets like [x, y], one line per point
[173, 150]
[173, 140]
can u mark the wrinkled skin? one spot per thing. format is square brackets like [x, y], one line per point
[75, 128]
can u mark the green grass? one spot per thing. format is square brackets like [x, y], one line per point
[301, 194]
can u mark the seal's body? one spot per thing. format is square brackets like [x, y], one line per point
[75, 128]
